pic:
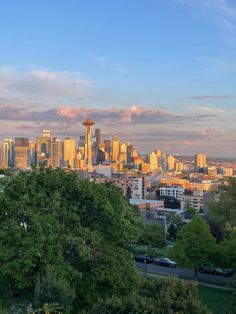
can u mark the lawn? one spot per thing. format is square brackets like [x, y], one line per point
[143, 249]
[215, 299]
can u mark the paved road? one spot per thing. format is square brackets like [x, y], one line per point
[183, 273]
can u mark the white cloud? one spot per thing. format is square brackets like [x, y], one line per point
[42, 87]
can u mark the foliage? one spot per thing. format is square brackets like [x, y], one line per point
[172, 230]
[222, 214]
[195, 245]
[153, 235]
[170, 202]
[65, 238]
[160, 296]
[229, 250]
[231, 307]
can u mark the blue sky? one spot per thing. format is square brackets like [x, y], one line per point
[164, 70]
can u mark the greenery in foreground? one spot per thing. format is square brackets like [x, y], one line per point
[65, 242]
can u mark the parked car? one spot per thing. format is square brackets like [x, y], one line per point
[143, 259]
[214, 270]
[165, 262]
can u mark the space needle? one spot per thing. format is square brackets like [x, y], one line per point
[88, 149]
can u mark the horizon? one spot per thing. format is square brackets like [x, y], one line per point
[161, 75]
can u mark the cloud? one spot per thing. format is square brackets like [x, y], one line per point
[210, 97]
[131, 115]
[42, 87]
[213, 64]
[223, 11]
[99, 59]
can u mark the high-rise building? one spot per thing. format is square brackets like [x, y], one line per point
[82, 140]
[7, 153]
[163, 162]
[69, 152]
[115, 148]
[199, 162]
[43, 148]
[98, 136]
[88, 123]
[179, 166]
[170, 162]
[123, 153]
[21, 153]
[107, 144]
[158, 153]
[32, 150]
[56, 153]
[153, 161]
[130, 148]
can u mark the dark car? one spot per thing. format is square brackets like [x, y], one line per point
[214, 270]
[165, 262]
[143, 259]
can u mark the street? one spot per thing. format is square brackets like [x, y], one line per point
[183, 273]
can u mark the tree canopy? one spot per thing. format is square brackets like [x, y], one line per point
[195, 245]
[153, 235]
[58, 230]
[160, 296]
[222, 214]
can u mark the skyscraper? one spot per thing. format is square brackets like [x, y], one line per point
[199, 162]
[115, 148]
[153, 161]
[170, 162]
[7, 153]
[69, 152]
[21, 153]
[98, 136]
[43, 148]
[56, 153]
[88, 123]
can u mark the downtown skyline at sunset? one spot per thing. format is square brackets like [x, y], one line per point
[160, 74]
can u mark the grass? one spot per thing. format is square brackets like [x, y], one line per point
[143, 249]
[215, 299]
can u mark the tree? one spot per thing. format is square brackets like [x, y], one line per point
[170, 202]
[65, 238]
[231, 307]
[195, 245]
[229, 250]
[153, 235]
[128, 193]
[172, 230]
[221, 215]
[160, 296]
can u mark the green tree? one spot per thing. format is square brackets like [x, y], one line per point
[161, 296]
[231, 307]
[221, 215]
[60, 235]
[170, 202]
[172, 230]
[153, 235]
[195, 245]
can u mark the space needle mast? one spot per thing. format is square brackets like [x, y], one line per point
[88, 123]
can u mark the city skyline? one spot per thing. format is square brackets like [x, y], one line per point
[159, 75]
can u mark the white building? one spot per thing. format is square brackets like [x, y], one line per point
[194, 200]
[173, 191]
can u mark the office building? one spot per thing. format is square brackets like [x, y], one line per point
[43, 148]
[56, 153]
[199, 162]
[115, 148]
[69, 147]
[21, 153]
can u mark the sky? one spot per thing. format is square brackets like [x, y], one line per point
[160, 73]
